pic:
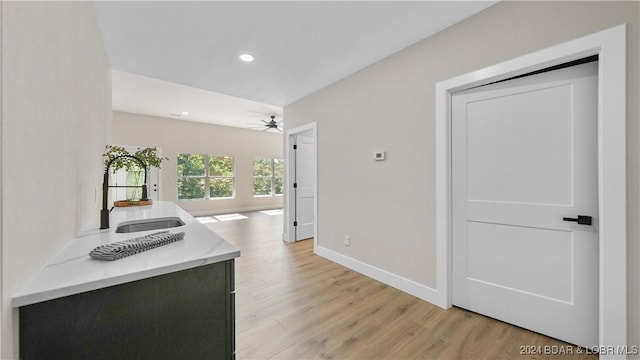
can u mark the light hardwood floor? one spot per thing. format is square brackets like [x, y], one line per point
[292, 304]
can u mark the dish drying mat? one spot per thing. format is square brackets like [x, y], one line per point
[118, 250]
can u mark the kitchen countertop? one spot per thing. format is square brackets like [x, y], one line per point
[72, 271]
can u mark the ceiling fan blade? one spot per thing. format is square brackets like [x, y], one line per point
[278, 130]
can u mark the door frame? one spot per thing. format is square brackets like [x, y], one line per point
[289, 204]
[610, 46]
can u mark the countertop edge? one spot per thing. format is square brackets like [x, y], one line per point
[33, 298]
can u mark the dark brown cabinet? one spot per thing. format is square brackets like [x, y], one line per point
[189, 314]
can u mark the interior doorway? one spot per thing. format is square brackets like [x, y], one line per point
[610, 46]
[301, 179]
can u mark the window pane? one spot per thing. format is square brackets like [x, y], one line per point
[221, 187]
[190, 165]
[278, 167]
[220, 165]
[262, 186]
[190, 188]
[279, 184]
[261, 167]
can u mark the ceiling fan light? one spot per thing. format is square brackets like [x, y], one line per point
[246, 57]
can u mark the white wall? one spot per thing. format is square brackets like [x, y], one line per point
[2, 308]
[56, 110]
[388, 208]
[175, 137]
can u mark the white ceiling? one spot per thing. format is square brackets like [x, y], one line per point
[179, 56]
[142, 95]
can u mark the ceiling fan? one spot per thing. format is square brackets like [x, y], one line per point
[268, 125]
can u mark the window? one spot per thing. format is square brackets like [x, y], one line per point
[267, 176]
[197, 181]
[191, 176]
[220, 176]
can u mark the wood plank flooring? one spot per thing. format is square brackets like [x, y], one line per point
[292, 304]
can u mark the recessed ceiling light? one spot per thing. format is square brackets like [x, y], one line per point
[246, 57]
[185, 113]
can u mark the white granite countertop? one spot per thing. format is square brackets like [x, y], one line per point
[72, 271]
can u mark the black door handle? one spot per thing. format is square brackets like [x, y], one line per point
[581, 219]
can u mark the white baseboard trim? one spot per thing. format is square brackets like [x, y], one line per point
[411, 287]
[286, 238]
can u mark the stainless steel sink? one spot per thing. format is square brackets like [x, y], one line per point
[149, 224]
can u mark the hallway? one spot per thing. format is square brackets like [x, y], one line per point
[292, 304]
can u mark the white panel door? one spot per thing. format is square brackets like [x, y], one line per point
[304, 187]
[524, 158]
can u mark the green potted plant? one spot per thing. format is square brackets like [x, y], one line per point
[117, 157]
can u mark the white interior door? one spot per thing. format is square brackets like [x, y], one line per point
[524, 156]
[303, 186]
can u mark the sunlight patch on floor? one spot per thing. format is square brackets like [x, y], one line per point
[235, 216]
[230, 217]
[206, 219]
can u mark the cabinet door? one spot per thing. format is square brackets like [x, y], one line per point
[183, 315]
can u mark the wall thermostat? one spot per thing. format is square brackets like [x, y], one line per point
[379, 155]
